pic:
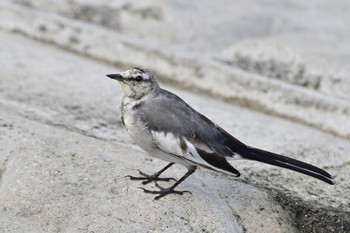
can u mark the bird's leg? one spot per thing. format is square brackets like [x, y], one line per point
[154, 177]
[165, 191]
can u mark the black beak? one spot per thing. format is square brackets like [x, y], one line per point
[117, 77]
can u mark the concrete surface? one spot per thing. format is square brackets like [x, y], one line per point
[64, 152]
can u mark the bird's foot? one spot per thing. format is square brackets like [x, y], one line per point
[164, 191]
[149, 178]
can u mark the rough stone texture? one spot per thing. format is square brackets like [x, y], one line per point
[271, 60]
[190, 69]
[63, 167]
[316, 30]
[299, 58]
[64, 152]
[64, 155]
[58, 181]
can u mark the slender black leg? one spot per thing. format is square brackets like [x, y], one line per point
[165, 191]
[155, 177]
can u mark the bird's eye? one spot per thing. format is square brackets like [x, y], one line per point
[138, 78]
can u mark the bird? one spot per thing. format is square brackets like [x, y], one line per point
[168, 128]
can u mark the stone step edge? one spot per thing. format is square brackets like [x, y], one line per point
[186, 70]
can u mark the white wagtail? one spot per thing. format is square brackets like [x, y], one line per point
[167, 128]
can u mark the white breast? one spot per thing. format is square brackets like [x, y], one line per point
[144, 138]
[136, 129]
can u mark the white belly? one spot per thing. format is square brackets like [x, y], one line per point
[150, 142]
[145, 139]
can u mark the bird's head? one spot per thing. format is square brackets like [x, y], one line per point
[136, 82]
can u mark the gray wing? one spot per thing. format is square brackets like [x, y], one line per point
[169, 113]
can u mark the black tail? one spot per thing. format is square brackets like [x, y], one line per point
[286, 162]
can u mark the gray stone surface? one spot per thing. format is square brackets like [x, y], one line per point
[62, 168]
[317, 30]
[324, 105]
[59, 181]
[64, 152]
[316, 60]
[64, 155]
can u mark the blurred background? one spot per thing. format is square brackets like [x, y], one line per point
[287, 58]
[274, 73]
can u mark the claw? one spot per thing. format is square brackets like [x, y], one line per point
[164, 191]
[148, 178]
[142, 173]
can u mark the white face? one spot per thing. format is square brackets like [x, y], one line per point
[138, 82]
[134, 72]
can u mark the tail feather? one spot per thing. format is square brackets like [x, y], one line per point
[289, 163]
